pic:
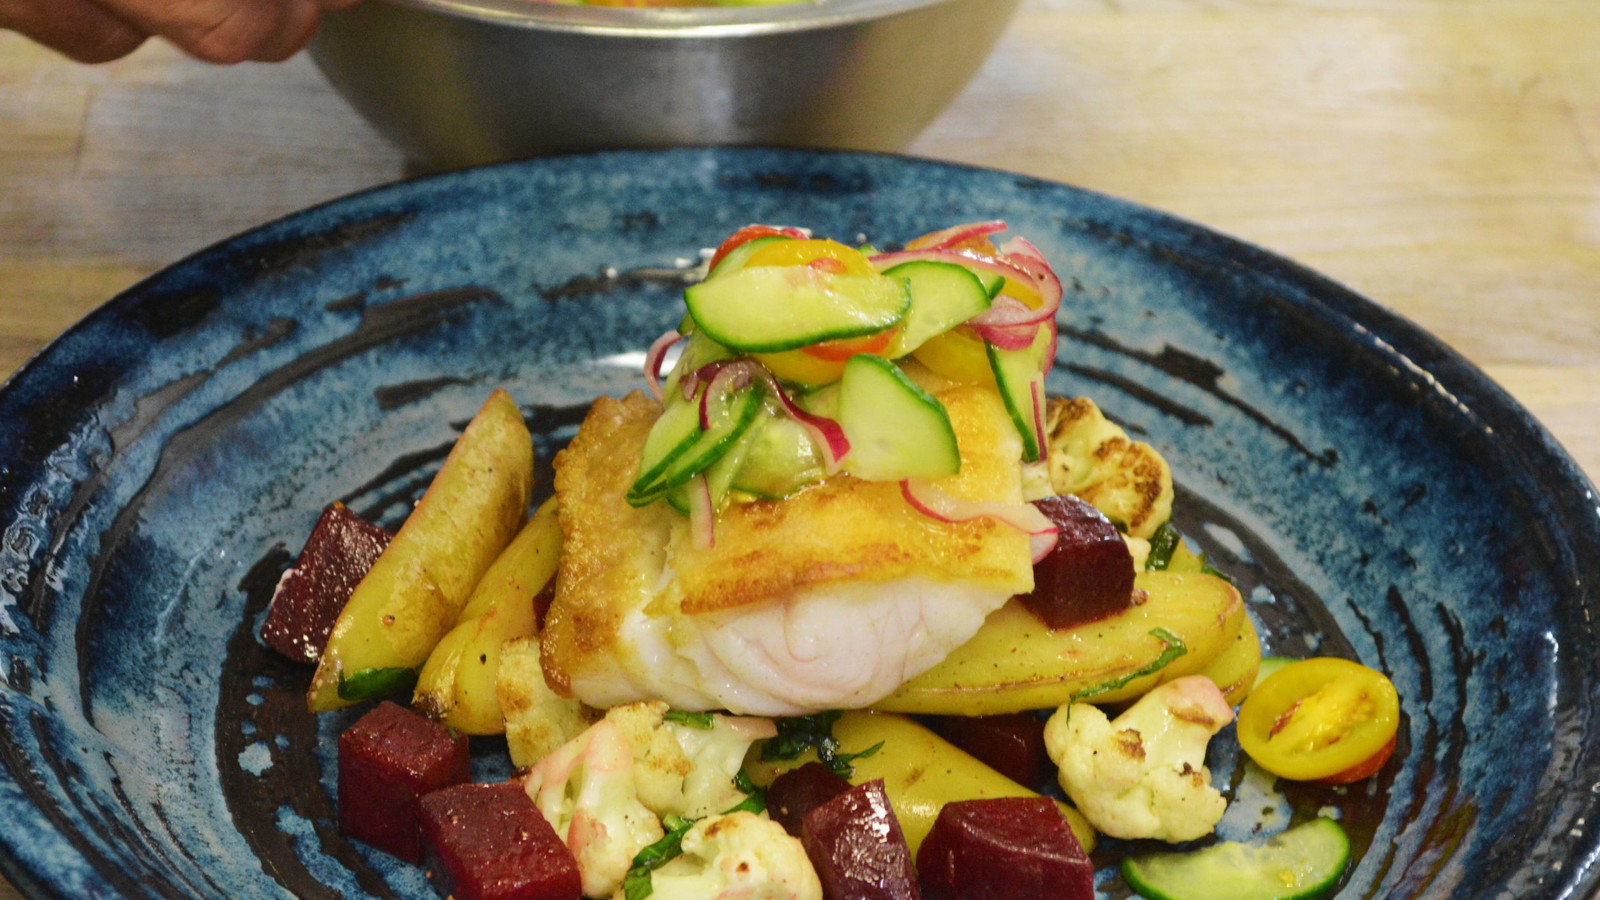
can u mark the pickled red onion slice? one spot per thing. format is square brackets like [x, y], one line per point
[1024, 517]
[653, 359]
[946, 238]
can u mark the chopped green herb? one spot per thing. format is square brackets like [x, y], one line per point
[755, 797]
[1162, 543]
[700, 720]
[637, 886]
[802, 733]
[1174, 649]
[368, 684]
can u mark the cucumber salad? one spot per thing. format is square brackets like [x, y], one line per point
[839, 604]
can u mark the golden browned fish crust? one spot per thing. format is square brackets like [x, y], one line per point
[842, 529]
[845, 529]
[609, 550]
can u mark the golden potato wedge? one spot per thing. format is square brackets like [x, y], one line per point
[457, 684]
[921, 772]
[415, 591]
[1015, 663]
[1234, 670]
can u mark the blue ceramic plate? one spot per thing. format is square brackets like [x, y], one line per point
[1374, 494]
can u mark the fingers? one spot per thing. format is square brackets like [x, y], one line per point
[80, 29]
[219, 31]
[225, 31]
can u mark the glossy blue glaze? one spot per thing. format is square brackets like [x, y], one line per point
[1375, 495]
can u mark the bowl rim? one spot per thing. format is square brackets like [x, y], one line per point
[671, 22]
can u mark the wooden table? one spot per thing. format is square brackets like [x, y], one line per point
[1440, 156]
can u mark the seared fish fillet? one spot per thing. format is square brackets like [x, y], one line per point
[828, 599]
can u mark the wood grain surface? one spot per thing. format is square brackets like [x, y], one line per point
[1440, 156]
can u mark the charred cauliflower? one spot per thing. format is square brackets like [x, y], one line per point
[738, 856]
[1143, 775]
[1093, 459]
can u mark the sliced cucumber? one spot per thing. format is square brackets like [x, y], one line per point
[735, 259]
[943, 295]
[768, 309]
[670, 437]
[781, 457]
[729, 418]
[719, 475]
[895, 428]
[1305, 861]
[993, 282]
[1015, 371]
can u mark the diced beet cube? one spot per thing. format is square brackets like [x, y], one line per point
[1003, 848]
[387, 760]
[310, 596]
[1088, 575]
[489, 842]
[855, 843]
[798, 791]
[1011, 744]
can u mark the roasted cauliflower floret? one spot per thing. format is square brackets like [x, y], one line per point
[687, 769]
[606, 790]
[1143, 775]
[739, 856]
[1093, 459]
[587, 791]
[538, 720]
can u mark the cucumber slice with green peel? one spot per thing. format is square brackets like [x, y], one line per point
[1015, 372]
[719, 475]
[993, 283]
[781, 457]
[768, 309]
[895, 428]
[1304, 862]
[943, 295]
[729, 418]
[735, 259]
[670, 437]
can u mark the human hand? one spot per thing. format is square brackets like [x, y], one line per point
[219, 31]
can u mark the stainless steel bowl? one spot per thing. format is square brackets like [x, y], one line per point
[462, 82]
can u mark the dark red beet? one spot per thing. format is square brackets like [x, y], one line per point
[489, 842]
[1011, 744]
[798, 791]
[1003, 849]
[310, 596]
[856, 845]
[387, 760]
[1089, 574]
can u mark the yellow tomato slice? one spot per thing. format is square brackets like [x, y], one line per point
[809, 251]
[1318, 717]
[958, 355]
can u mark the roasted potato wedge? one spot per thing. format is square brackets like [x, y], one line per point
[1015, 663]
[457, 684]
[1234, 670]
[414, 593]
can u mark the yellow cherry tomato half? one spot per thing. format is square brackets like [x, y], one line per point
[815, 252]
[1318, 718]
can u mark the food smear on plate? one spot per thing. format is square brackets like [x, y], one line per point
[799, 601]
